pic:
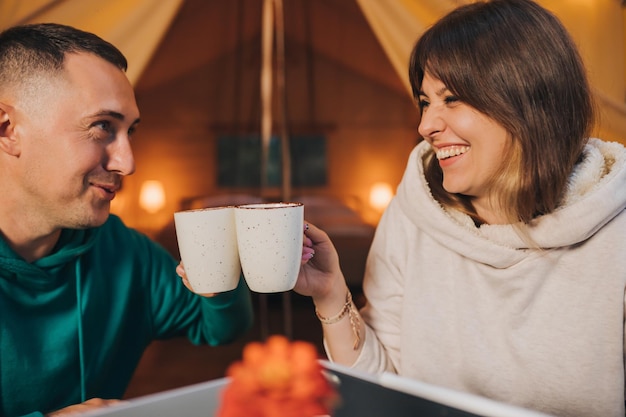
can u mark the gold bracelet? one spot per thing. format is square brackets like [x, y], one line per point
[351, 311]
[338, 316]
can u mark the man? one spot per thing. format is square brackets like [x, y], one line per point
[81, 295]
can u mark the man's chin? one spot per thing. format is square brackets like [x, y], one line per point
[96, 219]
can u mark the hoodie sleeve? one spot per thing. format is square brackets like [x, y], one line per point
[230, 314]
[384, 290]
[204, 320]
[155, 301]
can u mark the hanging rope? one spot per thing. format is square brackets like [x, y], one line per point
[273, 25]
[282, 95]
[267, 43]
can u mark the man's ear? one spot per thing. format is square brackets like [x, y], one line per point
[8, 141]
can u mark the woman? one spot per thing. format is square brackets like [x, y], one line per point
[498, 268]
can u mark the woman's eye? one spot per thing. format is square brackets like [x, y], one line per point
[423, 104]
[451, 99]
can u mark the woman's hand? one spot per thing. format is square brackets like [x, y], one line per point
[320, 273]
[180, 270]
[321, 278]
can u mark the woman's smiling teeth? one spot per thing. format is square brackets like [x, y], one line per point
[451, 151]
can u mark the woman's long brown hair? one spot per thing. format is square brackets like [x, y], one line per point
[515, 62]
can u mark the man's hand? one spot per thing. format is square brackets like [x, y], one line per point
[180, 270]
[88, 405]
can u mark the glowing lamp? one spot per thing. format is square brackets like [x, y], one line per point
[152, 196]
[380, 195]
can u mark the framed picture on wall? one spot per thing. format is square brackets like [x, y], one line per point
[239, 161]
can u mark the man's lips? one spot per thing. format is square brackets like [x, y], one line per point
[109, 189]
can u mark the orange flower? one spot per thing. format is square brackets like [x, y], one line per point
[278, 378]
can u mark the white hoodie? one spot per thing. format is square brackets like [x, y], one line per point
[475, 309]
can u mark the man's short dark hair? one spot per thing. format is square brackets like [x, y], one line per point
[40, 48]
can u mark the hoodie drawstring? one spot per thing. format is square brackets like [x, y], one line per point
[79, 318]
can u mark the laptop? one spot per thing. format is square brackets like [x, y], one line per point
[362, 395]
[390, 395]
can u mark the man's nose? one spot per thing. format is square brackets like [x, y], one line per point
[121, 159]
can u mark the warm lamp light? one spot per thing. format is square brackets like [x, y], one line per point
[152, 196]
[380, 195]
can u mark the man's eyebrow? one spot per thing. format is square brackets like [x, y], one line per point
[113, 114]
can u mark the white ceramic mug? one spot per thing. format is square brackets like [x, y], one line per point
[269, 238]
[207, 241]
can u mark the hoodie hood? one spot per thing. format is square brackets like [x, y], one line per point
[44, 273]
[596, 193]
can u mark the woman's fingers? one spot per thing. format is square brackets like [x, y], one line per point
[315, 234]
[307, 253]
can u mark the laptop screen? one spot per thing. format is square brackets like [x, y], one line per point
[368, 395]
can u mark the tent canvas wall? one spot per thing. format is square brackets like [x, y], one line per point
[196, 67]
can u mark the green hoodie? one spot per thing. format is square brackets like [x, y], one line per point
[74, 324]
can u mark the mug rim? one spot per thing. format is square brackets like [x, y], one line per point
[204, 209]
[269, 206]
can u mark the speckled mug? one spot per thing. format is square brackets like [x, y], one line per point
[269, 238]
[207, 241]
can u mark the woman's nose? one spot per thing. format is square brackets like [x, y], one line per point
[430, 122]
